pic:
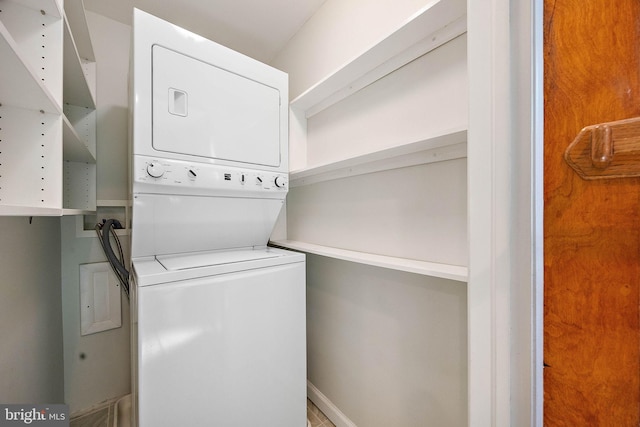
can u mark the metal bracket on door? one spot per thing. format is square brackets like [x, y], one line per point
[606, 150]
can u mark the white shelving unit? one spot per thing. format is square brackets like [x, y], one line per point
[436, 24]
[47, 133]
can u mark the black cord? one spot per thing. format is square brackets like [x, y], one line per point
[104, 230]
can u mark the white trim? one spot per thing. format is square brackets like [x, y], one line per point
[490, 216]
[505, 213]
[327, 407]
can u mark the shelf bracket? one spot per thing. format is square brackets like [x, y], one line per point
[606, 150]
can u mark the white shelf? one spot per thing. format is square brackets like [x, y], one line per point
[50, 7]
[71, 212]
[14, 210]
[83, 123]
[77, 19]
[437, 23]
[445, 271]
[73, 148]
[26, 89]
[75, 83]
[447, 146]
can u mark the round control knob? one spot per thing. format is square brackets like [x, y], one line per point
[155, 169]
[280, 181]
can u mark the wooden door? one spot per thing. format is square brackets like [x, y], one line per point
[592, 228]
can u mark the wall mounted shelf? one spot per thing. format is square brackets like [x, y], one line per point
[437, 23]
[74, 12]
[77, 90]
[447, 146]
[444, 271]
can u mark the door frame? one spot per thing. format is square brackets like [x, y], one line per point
[505, 196]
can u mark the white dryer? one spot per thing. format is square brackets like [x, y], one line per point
[218, 318]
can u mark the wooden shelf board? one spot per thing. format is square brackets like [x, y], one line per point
[437, 23]
[445, 271]
[447, 146]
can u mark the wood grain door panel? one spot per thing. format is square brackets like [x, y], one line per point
[592, 228]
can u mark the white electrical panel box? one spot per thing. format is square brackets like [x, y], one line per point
[100, 308]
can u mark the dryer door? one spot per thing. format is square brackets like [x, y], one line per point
[205, 111]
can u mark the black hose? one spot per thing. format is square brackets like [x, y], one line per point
[117, 262]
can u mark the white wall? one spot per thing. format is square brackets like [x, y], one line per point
[399, 213]
[387, 348]
[31, 366]
[103, 371]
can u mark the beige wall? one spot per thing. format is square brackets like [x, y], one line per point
[31, 368]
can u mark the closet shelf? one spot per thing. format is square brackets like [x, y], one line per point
[26, 89]
[71, 212]
[445, 271]
[437, 23]
[15, 210]
[76, 89]
[447, 146]
[74, 11]
[73, 148]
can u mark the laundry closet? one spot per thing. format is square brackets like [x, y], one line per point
[401, 191]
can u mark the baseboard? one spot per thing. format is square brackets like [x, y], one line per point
[327, 407]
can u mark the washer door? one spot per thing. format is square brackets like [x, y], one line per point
[205, 111]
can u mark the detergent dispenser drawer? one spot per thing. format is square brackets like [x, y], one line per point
[205, 111]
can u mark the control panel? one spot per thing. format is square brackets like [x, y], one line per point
[182, 177]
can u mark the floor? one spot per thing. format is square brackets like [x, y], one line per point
[102, 416]
[316, 417]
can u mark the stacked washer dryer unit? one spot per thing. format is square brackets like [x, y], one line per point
[218, 318]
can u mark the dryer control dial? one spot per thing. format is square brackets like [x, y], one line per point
[280, 181]
[155, 169]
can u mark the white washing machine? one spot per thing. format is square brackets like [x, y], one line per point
[218, 318]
